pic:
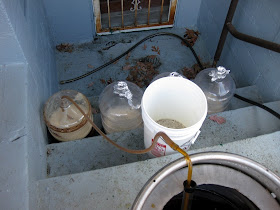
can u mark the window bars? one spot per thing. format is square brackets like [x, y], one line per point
[129, 15]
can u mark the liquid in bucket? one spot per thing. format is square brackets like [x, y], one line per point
[175, 106]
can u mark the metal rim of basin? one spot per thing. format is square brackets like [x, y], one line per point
[249, 168]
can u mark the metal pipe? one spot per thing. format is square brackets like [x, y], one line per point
[224, 33]
[253, 40]
[228, 27]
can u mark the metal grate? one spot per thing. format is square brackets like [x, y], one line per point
[130, 15]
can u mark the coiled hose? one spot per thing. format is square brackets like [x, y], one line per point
[132, 48]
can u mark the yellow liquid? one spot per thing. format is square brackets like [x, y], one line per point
[189, 164]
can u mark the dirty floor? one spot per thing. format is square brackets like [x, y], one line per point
[160, 54]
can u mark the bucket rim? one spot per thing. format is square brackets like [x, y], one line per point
[174, 130]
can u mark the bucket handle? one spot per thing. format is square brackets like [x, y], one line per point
[193, 139]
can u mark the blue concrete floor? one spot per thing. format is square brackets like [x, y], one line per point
[173, 57]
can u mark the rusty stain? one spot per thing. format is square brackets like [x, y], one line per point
[172, 11]
[98, 23]
[97, 15]
[133, 27]
[90, 66]
[109, 14]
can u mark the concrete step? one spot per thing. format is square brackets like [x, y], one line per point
[240, 124]
[117, 187]
[95, 153]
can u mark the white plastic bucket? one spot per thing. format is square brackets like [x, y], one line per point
[177, 99]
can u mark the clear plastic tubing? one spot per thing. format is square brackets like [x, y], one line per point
[159, 134]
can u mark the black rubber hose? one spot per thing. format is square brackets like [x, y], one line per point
[259, 105]
[129, 50]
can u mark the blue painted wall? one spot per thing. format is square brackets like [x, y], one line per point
[73, 20]
[187, 12]
[27, 78]
[30, 29]
[70, 20]
[250, 65]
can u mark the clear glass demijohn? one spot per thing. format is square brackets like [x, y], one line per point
[218, 87]
[120, 107]
[65, 122]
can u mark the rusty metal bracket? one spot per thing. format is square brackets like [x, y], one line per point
[222, 40]
[228, 27]
[253, 40]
